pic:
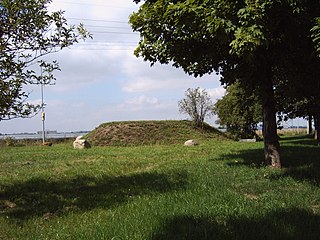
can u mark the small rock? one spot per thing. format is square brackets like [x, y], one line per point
[191, 142]
[48, 144]
[248, 140]
[80, 143]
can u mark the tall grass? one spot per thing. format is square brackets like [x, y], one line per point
[217, 190]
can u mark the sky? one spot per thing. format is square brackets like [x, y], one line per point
[102, 81]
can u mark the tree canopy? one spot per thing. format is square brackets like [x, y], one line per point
[28, 32]
[256, 42]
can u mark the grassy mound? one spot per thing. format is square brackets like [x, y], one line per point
[149, 132]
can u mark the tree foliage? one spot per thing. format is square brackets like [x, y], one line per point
[239, 111]
[28, 32]
[302, 99]
[197, 104]
[256, 42]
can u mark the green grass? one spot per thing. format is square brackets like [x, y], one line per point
[217, 190]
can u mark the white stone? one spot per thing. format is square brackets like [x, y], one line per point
[79, 137]
[80, 143]
[191, 142]
[248, 140]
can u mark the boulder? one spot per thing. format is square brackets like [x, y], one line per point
[191, 142]
[81, 143]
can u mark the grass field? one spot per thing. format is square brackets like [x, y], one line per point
[216, 190]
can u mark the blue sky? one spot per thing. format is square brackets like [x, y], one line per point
[102, 81]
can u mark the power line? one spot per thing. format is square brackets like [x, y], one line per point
[114, 32]
[106, 27]
[103, 49]
[104, 46]
[102, 30]
[94, 4]
[107, 44]
[98, 26]
[95, 20]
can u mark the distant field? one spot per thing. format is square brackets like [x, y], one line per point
[294, 131]
[289, 131]
[217, 190]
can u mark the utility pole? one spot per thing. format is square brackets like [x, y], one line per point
[43, 116]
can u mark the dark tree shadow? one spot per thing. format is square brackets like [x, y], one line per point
[249, 157]
[300, 139]
[300, 161]
[291, 156]
[285, 224]
[41, 197]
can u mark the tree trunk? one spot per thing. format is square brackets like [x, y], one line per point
[270, 136]
[317, 128]
[309, 124]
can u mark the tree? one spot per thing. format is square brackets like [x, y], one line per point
[28, 32]
[239, 111]
[300, 99]
[241, 40]
[197, 104]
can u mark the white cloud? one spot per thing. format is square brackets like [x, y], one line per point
[101, 80]
[143, 78]
[145, 85]
[216, 93]
[143, 104]
[80, 68]
[141, 100]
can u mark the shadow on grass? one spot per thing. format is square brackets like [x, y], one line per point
[42, 197]
[301, 139]
[283, 224]
[299, 161]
